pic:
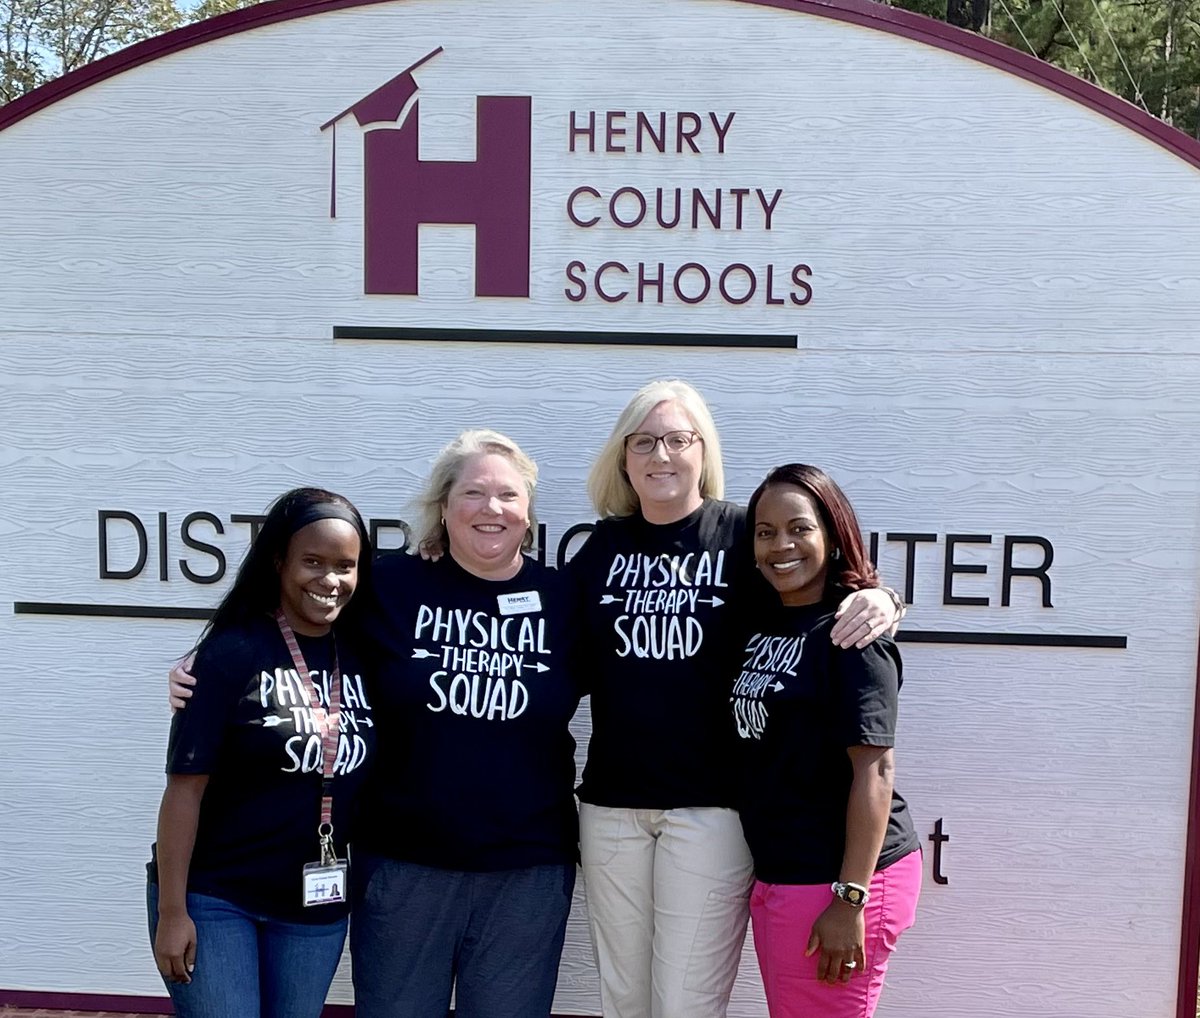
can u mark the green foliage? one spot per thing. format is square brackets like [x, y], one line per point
[1146, 51]
[930, 8]
[211, 8]
[42, 39]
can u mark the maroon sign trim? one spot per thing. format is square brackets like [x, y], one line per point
[865, 13]
[1189, 948]
[111, 1002]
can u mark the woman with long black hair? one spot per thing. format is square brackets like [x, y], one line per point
[247, 893]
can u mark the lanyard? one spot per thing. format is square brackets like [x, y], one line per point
[328, 721]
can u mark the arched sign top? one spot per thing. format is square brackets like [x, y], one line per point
[864, 13]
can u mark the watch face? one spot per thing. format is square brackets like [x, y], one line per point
[850, 895]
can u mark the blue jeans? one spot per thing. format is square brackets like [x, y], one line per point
[251, 966]
[496, 938]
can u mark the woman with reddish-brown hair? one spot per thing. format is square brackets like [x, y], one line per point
[836, 860]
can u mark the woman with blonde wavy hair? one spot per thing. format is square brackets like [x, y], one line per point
[466, 847]
[665, 865]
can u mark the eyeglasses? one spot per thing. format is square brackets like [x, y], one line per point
[643, 443]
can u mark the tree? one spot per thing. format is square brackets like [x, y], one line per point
[43, 39]
[211, 8]
[1147, 51]
[20, 58]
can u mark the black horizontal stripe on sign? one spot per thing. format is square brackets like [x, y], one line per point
[139, 611]
[120, 611]
[736, 340]
[1013, 639]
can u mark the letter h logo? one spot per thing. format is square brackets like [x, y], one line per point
[401, 191]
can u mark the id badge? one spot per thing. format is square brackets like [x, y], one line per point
[325, 884]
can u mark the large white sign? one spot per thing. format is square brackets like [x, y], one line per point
[311, 249]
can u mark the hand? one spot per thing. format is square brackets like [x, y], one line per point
[180, 683]
[175, 947]
[863, 617]
[838, 934]
[430, 551]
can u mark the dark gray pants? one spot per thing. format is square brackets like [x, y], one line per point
[496, 938]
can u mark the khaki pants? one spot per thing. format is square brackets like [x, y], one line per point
[668, 899]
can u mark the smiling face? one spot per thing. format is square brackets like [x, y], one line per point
[667, 483]
[487, 515]
[318, 575]
[791, 544]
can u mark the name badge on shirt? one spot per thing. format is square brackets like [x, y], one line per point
[325, 884]
[520, 604]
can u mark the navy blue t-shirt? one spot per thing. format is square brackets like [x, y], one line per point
[248, 727]
[798, 704]
[474, 695]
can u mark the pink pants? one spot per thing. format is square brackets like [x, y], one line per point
[783, 915]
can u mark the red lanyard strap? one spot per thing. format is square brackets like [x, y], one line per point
[328, 721]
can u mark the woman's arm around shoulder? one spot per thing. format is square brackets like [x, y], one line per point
[867, 614]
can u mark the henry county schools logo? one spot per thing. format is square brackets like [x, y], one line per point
[401, 191]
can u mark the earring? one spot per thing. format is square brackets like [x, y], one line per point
[837, 554]
[443, 521]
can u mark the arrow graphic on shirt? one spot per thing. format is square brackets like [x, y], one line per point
[271, 720]
[777, 687]
[536, 665]
[419, 653]
[716, 602]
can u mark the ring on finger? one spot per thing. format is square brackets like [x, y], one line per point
[849, 964]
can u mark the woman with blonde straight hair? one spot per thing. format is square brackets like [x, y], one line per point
[665, 865]
[609, 486]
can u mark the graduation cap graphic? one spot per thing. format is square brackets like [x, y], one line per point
[401, 191]
[383, 106]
